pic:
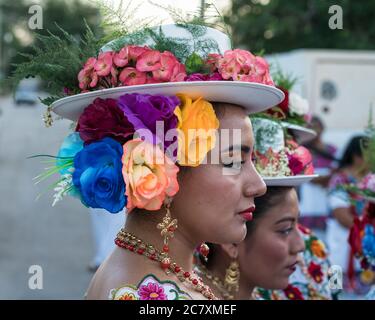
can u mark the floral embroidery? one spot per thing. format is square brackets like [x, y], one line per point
[150, 288]
[152, 291]
[127, 296]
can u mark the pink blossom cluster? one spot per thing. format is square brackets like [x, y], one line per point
[240, 65]
[132, 65]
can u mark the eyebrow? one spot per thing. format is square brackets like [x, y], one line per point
[243, 148]
[286, 219]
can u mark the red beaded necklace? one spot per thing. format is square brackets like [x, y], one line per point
[130, 242]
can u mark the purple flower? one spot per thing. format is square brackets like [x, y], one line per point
[196, 77]
[144, 110]
[216, 76]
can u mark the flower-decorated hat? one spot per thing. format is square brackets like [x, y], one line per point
[293, 112]
[280, 161]
[135, 104]
[199, 67]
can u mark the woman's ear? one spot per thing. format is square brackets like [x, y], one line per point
[230, 249]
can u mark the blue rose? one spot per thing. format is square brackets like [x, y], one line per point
[98, 175]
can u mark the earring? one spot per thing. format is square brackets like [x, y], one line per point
[167, 227]
[204, 250]
[232, 278]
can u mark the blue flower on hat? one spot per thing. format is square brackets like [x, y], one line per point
[98, 175]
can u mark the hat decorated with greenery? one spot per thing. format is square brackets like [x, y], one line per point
[278, 159]
[135, 101]
[293, 112]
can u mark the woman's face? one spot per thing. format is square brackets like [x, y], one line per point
[268, 256]
[212, 195]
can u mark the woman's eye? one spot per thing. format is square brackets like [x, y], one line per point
[234, 165]
[286, 231]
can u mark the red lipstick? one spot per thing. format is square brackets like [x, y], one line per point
[248, 213]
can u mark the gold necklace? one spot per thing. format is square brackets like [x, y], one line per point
[134, 244]
[216, 281]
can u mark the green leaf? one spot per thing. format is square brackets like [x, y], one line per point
[193, 63]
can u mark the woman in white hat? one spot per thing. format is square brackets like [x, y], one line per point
[166, 134]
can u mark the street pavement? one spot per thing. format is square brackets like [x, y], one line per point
[58, 239]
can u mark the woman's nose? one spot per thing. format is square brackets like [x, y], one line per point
[298, 244]
[254, 186]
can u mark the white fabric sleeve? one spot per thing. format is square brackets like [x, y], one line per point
[338, 199]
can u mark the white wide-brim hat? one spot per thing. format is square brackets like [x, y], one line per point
[269, 134]
[254, 97]
[301, 134]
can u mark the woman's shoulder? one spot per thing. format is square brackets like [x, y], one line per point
[133, 278]
[149, 288]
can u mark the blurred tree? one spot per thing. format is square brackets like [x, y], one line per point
[16, 36]
[282, 25]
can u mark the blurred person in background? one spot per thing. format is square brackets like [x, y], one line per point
[352, 169]
[105, 227]
[314, 195]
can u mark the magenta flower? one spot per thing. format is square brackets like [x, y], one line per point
[131, 76]
[103, 118]
[196, 77]
[152, 291]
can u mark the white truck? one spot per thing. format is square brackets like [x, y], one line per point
[339, 85]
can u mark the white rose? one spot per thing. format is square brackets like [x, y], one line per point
[297, 104]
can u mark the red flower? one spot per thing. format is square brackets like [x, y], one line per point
[315, 271]
[293, 293]
[356, 234]
[284, 105]
[103, 118]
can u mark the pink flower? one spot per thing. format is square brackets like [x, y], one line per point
[178, 73]
[148, 61]
[213, 61]
[135, 51]
[368, 182]
[152, 291]
[167, 63]
[104, 64]
[300, 161]
[87, 77]
[131, 76]
[120, 59]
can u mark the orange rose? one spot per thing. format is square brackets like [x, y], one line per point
[318, 249]
[197, 125]
[149, 175]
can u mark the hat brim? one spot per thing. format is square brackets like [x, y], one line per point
[254, 97]
[292, 181]
[301, 134]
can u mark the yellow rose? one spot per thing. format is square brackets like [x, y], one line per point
[197, 125]
[149, 175]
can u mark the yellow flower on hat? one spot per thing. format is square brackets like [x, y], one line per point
[197, 125]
